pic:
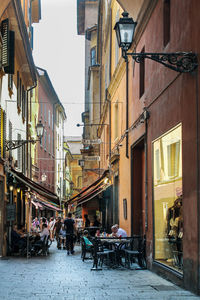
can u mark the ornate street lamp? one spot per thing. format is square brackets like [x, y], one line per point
[14, 144]
[125, 29]
[183, 62]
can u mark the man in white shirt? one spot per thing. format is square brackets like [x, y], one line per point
[118, 232]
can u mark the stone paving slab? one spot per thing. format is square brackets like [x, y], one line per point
[64, 277]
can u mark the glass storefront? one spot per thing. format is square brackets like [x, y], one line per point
[167, 188]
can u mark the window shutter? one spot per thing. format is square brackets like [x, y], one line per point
[4, 134]
[10, 69]
[18, 90]
[10, 136]
[20, 93]
[1, 126]
[23, 102]
[5, 46]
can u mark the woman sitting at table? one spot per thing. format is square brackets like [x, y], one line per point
[118, 232]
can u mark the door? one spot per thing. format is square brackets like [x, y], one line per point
[1, 214]
[138, 189]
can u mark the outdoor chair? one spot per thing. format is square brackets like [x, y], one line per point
[135, 252]
[84, 250]
[41, 249]
[103, 254]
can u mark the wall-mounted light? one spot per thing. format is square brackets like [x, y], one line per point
[14, 144]
[18, 190]
[11, 188]
[183, 62]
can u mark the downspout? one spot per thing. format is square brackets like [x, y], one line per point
[127, 104]
[146, 175]
[198, 175]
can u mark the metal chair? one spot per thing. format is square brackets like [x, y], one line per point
[135, 252]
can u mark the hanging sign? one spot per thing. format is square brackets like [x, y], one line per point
[92, 158]
[91, 142]
[10, 212]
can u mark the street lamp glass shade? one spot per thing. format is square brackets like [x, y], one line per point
[40, 129]
[125, 29]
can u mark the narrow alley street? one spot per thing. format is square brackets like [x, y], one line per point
[59, 276]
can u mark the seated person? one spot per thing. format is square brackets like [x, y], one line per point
[62, 237]
[118, 232]
[42, 235]
[88, 244]
[18, 241]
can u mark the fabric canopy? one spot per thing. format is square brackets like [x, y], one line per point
[91, 191]
[35, 186]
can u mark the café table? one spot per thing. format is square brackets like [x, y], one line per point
[112, 244]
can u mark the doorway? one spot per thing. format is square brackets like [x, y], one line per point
[1, 214]
[138, 188]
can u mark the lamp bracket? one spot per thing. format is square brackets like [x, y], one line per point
[14, 144]
[183, 62]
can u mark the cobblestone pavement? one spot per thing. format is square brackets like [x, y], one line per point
[60, 277]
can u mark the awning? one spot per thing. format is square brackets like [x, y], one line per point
[92, 195]
[91, 191]
[35, 186]
[37, 204]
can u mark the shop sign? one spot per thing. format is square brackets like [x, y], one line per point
[11, 212]
[92, 158]
[91, 142]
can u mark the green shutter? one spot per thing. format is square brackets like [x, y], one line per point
[10, 69]
[5, 46]
[4, 134]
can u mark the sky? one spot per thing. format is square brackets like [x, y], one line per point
[60, 51]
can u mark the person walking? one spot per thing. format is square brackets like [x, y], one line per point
[87, 221]
[70, 229]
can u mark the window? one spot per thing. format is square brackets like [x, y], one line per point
[93, 56]
[2, 132]
[173, 153]
[49, 143]
[45, 119]
[142, 75]
[52, 144]
[19, 153]
[166, 22]
[45, 140]
[49, 118]
[10, 84]
[41, 106]
[116, 116]
[167, 191]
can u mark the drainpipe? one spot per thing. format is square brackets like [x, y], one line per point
[146, 117]
[127, 103]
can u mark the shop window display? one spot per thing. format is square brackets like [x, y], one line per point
[167, 188]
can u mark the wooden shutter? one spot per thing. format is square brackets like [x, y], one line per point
[10, 69]
[4, 134]
[18, 90]
[23, 102]
[1, 131]
[10, 136]
[5, 46]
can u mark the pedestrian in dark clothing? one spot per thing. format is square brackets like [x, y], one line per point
[87, 221]
[57, 228]
[96, 222]
[70, 228]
